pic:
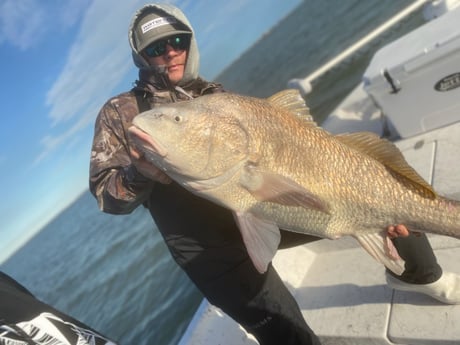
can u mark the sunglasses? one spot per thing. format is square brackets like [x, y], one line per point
[177, 42]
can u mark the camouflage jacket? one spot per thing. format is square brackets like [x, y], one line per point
[114, 180]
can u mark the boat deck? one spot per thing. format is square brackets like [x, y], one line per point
[342, 291]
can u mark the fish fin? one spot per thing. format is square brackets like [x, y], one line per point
[390, 156]
[260, 237]
[380, 246]
[292, 101]
[280, 190]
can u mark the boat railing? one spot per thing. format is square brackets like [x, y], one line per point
[305, 84]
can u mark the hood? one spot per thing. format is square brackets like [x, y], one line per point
[193, 58]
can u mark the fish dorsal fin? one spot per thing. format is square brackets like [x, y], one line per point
[292, 101]
[389, 155]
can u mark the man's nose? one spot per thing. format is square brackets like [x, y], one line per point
[170, 51]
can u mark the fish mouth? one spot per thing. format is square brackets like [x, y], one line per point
[145, 141]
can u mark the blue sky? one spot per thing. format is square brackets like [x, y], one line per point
[60, 60]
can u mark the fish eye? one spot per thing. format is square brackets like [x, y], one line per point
[177, 118]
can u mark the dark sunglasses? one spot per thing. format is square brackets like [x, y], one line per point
[177, 42]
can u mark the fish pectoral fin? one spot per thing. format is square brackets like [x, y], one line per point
[380, 246]
[260, 237]
[281, 190]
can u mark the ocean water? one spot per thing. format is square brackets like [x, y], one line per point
[114, 272]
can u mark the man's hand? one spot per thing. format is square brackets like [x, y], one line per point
[398, 230]
[148, 169]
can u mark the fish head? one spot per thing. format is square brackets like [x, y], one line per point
[191, 140]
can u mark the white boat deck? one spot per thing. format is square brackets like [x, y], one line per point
[341, 290]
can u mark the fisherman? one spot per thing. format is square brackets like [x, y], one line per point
[201, 236]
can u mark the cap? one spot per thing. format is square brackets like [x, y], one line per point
[154, 26]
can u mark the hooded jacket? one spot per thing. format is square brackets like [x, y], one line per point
[114, 180]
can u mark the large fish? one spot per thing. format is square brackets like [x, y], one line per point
[268, 161]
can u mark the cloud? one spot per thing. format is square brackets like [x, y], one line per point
[21, 22]
[71, 11]
[26, 23]
[97, 61]
[68, 137]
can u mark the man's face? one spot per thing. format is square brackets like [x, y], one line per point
[171, 53]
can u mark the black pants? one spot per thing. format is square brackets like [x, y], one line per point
[421, 266]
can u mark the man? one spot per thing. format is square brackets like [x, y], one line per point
[202, 237]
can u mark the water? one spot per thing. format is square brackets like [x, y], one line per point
[111, 272]
[114, 272]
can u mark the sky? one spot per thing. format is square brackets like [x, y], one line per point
[60, 60]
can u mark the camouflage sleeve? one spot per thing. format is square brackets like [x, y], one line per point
[114, 181]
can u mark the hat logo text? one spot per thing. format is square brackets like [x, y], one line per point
[154, 23]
